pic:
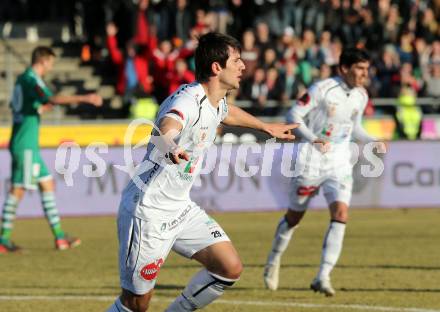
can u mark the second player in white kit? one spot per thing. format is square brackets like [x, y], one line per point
[156, 213]
[330, 115]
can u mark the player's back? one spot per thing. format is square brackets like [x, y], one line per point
[24, 105]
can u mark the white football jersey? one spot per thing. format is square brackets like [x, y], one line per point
[166, 188]
[332, 111]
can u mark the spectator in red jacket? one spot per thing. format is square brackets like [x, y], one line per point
[164, 60]
[180, 75]
[132, 67]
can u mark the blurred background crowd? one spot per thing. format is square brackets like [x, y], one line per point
[146, 47]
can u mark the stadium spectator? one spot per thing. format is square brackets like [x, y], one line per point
[372, 33]
[392, 25]
[351, 26]
[164, 59]
[434, 56]
[269, 59]
[242, 16]
[255, 89]
[408, 113]
[264, 39]
[387, 71]
[286, 45]
[326, 128]
[428, 27]
[421, 55]
[31, 97]
[160, 210]
[250, 54]
[219, 11]
[180, 75]
[433, 81]
[333, 17]
[132, 67]
[326, 51]
[274, 84]
[203, 24]
[407, 79]
[291, 82]
[183, 20]
[405, 48]
[142, 28]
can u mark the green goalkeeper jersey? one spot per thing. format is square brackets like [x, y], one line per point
[30, 92]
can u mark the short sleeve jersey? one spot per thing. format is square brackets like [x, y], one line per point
[331, 109]
[167, 187]
[30, 92]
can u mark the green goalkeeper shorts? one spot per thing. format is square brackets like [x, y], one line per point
[28, 169]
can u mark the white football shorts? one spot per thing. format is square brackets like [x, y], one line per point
[336, 186]
[145, 244]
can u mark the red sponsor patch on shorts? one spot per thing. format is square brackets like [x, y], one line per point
[149, 272]
[306, 190]
[304, 100]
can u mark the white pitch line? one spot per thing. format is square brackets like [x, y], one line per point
[230, 302]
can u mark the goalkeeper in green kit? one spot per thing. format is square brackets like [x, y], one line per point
[31, 97]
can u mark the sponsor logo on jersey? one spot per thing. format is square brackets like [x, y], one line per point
[190, 167]
[304, 100]
[152, 172]
[171, 225]
[327, 131]
[149, 271]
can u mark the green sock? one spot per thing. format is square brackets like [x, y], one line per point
[8, 217]
[51, 212]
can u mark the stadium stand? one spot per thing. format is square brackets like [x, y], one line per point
[290, 44]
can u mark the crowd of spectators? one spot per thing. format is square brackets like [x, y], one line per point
[287, 44]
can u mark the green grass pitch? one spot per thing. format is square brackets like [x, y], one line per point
[390, 262]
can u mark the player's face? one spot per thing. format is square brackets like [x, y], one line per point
[48, 64]
[357, 74]
[230, 76]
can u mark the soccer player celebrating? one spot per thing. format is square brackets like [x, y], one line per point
[156, 213]
[329, 114]
[30, 98]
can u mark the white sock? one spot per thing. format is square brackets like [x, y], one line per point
[118, 307]
[283, 234]
[203, 289]
[331, 249]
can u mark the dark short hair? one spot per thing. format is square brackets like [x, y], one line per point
[213, 47]
[41, 52]
[352, 56]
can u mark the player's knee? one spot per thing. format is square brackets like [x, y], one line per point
[293, 217]
[136, 303]
[17, 192]
[235, 270]
[232, 269]
[340, 215]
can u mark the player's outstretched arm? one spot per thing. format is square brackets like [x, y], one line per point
[238, 117]
[90, 98]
